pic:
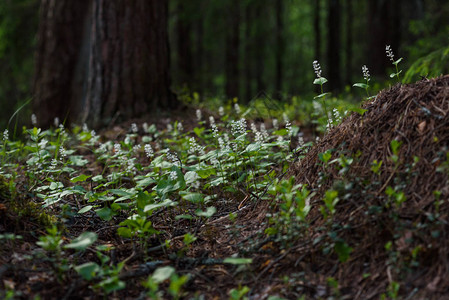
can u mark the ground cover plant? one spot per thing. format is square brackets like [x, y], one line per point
[350, 203]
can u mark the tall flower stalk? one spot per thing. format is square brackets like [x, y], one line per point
[320, 81]
[390, 55]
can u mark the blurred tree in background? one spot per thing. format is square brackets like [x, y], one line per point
[225, 48]
[18, 23]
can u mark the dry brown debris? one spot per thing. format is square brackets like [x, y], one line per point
[418, 116]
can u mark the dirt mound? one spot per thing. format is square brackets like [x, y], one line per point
[390, 170]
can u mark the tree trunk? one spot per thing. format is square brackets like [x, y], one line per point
[280, 45]
[97, 59]
[232, 50]
[317, 29]
[378, 24]
[184, 45]
[259, 46]
[248, 56]
[349, 55]
[129, 60]
[333, 47]
[59, 45]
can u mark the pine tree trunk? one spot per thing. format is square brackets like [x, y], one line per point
[232, 50]
[280, 44]
[59, 46]
[99, 59]
[334, 48]
[128, 70]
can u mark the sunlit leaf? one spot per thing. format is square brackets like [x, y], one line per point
[237, 261]
[83, 241]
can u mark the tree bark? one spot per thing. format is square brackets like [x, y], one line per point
[378, 24]
[317, 29]
[349, 41]
[97, 59]
[59, 43]
[184, 45]
[333, 47]
[232, 50]
[129, 60]
[280, 44]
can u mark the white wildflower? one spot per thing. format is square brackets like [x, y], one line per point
[62, 152]
[285, 117]
[221, 111]
[56, 121]
[134, 128]
[53, 165]
[194, 147]
[288, 126]
[117, 148]
[275, 124]
[43, 143]
[137, 148]
[173, 175]
[259, 137]
[130, 168]
[317, 68]
[238, 127]
[237, 108]
[173, 158]
[145, 127]
[300, 141]
[365, 72]
[389, 52]
[198, 115]
[85, 128]
[103, 148]
[5, 135]
[180, 127]
[169, 127]
[148, 151]
[33, 119]
[253, 127]
[264, 131]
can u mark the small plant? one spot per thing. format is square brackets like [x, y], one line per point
[366, 77]
[321, 81]
[390, 55]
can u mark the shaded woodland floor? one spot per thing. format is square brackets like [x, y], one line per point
[376, 227]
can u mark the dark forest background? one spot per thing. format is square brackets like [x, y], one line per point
[252, 48]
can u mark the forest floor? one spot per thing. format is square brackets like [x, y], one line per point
[367, 220]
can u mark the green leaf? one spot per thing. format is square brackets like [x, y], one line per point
[185, 217]
[320, 81]
[193, 197]
[87, 270]
[361, 85]
[83, 241]
[97, 178]
[121, 193]
[343, 251]
[105, 213]
[237, 261]
[358, 110]
[208, 213]
[124, 232]
[321, 95]
[85, 209]
[165, 203]
[81, 178]
[198, 131]
[398, 61]
[163, 273]
[205, 173]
